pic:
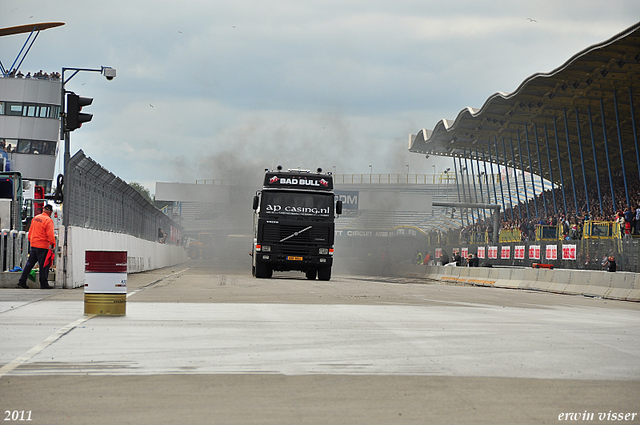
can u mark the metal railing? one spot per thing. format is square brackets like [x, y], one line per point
[99, 200]
[14, 249]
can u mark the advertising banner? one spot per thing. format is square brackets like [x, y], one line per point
[481, 252]
[518, 252]
[505, 253]
[534, 252]
[552, 252]
[569, 252]
[349, 198]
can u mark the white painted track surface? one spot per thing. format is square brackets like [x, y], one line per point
[191, 324]
[294, 339]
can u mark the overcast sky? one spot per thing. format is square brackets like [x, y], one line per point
[204, 87]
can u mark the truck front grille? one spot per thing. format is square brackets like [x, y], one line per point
[277, 232]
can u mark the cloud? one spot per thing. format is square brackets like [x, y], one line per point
[314, 83]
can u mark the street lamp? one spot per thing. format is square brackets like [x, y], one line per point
[109, 73]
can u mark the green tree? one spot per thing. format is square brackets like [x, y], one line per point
[146, 194]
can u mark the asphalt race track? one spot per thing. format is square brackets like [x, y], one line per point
[201, 344]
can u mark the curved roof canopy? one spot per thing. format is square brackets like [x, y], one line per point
[21, 29]
[585, 103]
[33, 30]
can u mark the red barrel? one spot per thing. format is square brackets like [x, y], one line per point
[105, 282]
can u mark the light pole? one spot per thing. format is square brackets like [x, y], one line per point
[109, 73]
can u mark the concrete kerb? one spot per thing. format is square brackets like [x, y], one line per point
[439, 272]
[464, 274]
[10, 279]
[585, 282]
[412, 270]
[517, 279]
[544, 280]
[558, 281]
[554, 280]
[598, 283]
[480, 276]
[634, 294]
[592, 283]
[622, 284]
[503, 278]
[450, 274]
[493, 275]
[530, 278]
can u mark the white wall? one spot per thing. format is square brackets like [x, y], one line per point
[142, 255]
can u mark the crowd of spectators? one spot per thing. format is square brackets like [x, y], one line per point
[40, 75]
[541, 211]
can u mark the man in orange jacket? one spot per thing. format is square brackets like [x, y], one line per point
[41, 239]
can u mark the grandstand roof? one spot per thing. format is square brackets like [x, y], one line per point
[589, 79]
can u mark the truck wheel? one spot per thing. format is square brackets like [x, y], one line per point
[263, 271]
[324, 273]
[311, 274]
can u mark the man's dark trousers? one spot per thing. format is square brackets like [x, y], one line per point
[39, 255]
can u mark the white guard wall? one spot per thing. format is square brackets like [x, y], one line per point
[142, 255]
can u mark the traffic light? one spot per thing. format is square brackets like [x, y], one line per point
[74, 117]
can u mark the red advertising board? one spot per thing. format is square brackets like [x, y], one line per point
[568, 252]
[534, 252]
[552, 252]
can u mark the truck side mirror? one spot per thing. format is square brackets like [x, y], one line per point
[255, 202]
[339, 207]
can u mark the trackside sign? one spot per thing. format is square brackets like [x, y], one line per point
[298, 181]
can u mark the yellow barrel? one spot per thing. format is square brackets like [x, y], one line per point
[105, 304]
[105, 287]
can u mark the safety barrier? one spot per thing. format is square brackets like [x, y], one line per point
[601, 284]
[480, 238]
[634, 293]
[600, 229]
[528, 278]
[622, 285]
[586, 254]
[510, 235]
[504, 276]
[548, 233]
[142, 255]
[14, 249]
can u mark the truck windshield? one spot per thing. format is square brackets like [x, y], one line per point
[296, 204]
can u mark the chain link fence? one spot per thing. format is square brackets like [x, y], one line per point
[97, 199]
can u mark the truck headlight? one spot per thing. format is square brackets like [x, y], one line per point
[266, 248]
[323, 251]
